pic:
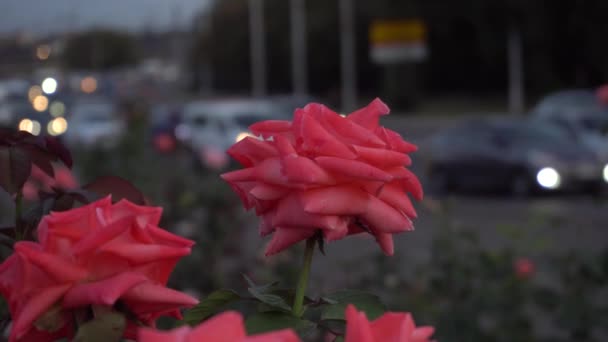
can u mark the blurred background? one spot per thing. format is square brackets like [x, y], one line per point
[506, 100]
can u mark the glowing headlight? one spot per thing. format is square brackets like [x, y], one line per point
[57, 126]
[605, 173]
[548, 178]
[242, 136]
[49, 85]
[30, 126]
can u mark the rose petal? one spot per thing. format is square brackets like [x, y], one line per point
[395, 141]
[369, 116]
[153, 335]
[409, 181]
[251, 151]
[357, 326]
[103, 292]
[385, 240]
[227, 326]
[56, 267]
[353, 168]
[157, 295]
[270, 127]
[267, 192]
[393, 195]
[393, 326]
[335, 200]
[141, 253]
[382, 158]
[317, 140]
[36, 306]
[286, 335]
[304, 170]
[284, 237]
[384, 218]
[101, 236]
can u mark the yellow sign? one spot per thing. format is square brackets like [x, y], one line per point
[397, 31]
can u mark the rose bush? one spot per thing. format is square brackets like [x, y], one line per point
[101, 254]
[225, 327]
[390, 327]
[324, 172]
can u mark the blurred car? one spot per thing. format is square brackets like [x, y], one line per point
[521, 157]
[580, 112]
[94, 123]
[221, 123]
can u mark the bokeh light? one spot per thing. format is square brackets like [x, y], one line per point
[43, 52]
[33, 92]
[49, 85]
[57, 108]
[88, 84]
[31, 126]
[57, 126]
[40, 103]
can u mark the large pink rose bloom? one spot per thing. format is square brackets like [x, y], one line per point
[98, 254]
[225, 327]
[390, 327]
[322, 171]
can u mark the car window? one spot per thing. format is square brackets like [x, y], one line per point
[246, 120]
[199, 121]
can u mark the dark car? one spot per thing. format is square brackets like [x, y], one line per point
[517, 156]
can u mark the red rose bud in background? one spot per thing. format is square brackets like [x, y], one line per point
[225, 327]
[322, 171]
[524, 268]
[40, 181]
[392, 326]
[164, 143]
[95, 255]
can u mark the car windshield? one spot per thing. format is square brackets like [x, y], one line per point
[534, 134]
[246, 120]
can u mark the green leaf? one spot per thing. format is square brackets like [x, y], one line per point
[363, 301]
[270, 299]
[271, 321]
[210, 305]
[264, 295]
[106, 327]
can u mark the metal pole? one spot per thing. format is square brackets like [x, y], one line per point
[299, 68]
[258, 47]
[516, 72]
[347, 54]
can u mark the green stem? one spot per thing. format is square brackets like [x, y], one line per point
[298, 303]
[18, 213]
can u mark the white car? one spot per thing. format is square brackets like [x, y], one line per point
[217, 124]
[581, 114]
[94, 124]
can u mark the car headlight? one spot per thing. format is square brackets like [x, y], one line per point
[605, 173]
[30, 126]
[548, 178]
[242, 136]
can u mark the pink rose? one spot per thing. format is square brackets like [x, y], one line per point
[321, 171]
[93, 255]
[390, 327]
[225, 327]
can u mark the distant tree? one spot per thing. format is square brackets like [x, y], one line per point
[99, 50]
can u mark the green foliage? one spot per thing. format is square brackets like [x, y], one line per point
[209, 306]
[269, 321]
[107, 326]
